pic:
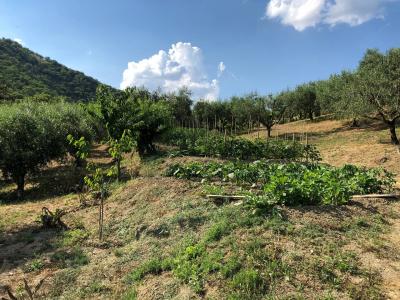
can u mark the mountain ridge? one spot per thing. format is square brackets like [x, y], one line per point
[24, 73]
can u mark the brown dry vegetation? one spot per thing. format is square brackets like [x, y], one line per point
[347, 252]
[339, 144]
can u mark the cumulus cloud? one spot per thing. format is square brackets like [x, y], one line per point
[181, 66]
[298, 13]
[302, 14]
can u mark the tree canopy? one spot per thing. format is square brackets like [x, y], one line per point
[25, 73]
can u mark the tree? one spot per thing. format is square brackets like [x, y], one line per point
[339, 94]
[150, 121]
[271, 110]
[181, 104]
[306, 101]
[6, 93]
[31, 135]
[145, 114]
[118, 147]
[378, 81]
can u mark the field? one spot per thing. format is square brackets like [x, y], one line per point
[340, 144]
[165, 240]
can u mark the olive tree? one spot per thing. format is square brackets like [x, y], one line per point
[378, 80]
[31, 135]
[271, 111]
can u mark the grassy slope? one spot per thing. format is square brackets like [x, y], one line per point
[339, 144]
[311, 253]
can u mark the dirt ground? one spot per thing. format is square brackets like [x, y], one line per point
[150, 214]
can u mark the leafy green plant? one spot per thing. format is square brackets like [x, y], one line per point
[120, 146]
[292, 183]
[98, 182]
[79, 148]
[202, 143]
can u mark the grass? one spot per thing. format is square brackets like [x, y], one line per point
[164, 240]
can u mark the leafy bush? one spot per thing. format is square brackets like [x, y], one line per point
[200, 142]
[293, 183]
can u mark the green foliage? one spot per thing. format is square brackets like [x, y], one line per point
[25, 73]
[293, 183]
[145, 114]
[190, 264]
[71, 258]
[217, 231]
[120, 146]
[34, 265]
[98, 180]
[200, 143]
[153, 266]
[79, 148]
[248, 284]
[193, 263]
[32, 134]
[74, 237]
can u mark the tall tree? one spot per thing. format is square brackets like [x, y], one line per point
[307, 100]
[378, 81]
[144, 113]
[272, 109]
[181, 104]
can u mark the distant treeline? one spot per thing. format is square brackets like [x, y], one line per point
[371, 91]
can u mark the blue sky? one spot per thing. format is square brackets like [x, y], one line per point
[264, 45]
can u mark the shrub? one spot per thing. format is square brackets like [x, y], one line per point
[200, 142]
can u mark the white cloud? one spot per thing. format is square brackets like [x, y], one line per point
[19, 41]
[302, 14]
[354, 12]
[181, 66]
[298, 13]
[221, 68]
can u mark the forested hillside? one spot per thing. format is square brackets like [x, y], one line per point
[25, 73]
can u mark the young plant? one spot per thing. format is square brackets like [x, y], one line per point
[98, 182]
[120, 146]
[79, 149]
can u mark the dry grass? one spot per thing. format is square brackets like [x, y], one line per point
[321, 252]
[340, 144]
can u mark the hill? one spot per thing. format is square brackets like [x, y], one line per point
[26, 73]
[165, 240]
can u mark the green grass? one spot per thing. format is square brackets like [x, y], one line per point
[70, 258]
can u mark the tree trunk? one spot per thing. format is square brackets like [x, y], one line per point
[393, 135]
[269, 129]
[20, 180]
[118, 169]
[310, 115]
